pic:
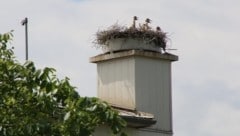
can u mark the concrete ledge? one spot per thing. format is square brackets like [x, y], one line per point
[143, 53]
[136, 119]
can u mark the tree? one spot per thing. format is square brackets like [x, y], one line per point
[36, 102]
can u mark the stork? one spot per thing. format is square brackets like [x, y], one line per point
[158, 29]
[147, 21]
[135, 18]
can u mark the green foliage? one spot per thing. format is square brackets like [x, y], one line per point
[36, 102]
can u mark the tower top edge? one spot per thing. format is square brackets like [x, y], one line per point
[130, 53]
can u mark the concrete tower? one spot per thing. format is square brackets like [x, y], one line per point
[138, 82]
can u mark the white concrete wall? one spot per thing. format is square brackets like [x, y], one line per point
[116, 82]
[153, 90]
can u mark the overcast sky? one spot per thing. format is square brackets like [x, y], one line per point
[206, 88]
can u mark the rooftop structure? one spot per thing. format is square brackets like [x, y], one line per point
[138, 84]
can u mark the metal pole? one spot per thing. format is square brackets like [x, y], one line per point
[25, 22]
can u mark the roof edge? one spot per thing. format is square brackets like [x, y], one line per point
[127, 53]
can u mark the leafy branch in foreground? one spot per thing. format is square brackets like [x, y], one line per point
[36, 102]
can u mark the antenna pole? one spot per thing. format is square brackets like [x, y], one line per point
[25, 22]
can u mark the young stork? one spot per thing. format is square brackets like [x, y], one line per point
[147, 21]
[135, 18]
[158, 29]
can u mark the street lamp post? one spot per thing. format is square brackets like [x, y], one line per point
[25, 22]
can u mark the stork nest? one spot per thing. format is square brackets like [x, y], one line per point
[115, 31]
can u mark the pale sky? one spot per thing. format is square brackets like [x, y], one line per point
[206, 89]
